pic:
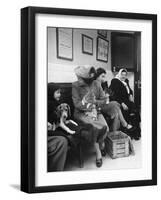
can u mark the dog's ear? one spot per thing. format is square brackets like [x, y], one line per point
[69, 111]
[58, 112]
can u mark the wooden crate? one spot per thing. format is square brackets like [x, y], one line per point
[117, 144]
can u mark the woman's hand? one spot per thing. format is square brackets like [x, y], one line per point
[89, 98]
[125, 107]
[84, 101]
[71, 132]
[107, 98]
[131, 98]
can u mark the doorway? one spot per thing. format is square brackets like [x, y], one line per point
[126, 53]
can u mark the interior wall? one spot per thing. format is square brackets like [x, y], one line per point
[60, 70]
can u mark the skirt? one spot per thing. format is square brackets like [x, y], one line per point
[110, 109]
[96, 129]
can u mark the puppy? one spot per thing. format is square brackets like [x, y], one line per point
[63, 114]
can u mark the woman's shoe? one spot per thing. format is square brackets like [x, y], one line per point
[103, 152]
[99, 162]
[136, 138]
[133, 128]
[129, 128]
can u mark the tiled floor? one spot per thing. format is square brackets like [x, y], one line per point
[132, 161]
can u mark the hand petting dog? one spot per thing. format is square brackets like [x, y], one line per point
[90, 100]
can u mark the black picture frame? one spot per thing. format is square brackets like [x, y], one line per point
[28, 94]
[102, 49]
[102, 33]
[87, 44]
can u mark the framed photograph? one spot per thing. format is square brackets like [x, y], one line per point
[65, 43]
[102, 49]
[102, 33]
[58, 99]
[87, 44]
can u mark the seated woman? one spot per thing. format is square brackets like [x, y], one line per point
[111, 109]
[123, 94]
[86, 96]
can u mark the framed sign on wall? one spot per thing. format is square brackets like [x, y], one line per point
[87, 44]
[65, 43]
[102, 49]
[102, 33]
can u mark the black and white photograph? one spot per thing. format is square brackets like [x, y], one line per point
[94, 107]
[90, 100]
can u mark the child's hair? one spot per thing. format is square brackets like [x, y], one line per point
[52, 87]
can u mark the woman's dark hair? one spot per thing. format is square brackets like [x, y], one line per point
[90, 79]
[92, 71]
[99, 71]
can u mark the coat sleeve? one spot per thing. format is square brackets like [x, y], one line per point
[101, 96]
[52, 116]
[117, 93]
[77, 101]
[131, 92]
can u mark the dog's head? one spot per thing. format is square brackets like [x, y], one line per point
[63, 111]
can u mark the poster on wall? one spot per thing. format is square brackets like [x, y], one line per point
[68, 140]
[65, 43]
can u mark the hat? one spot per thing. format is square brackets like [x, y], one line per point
[83, 71]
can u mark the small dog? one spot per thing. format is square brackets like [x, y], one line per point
[63, 113]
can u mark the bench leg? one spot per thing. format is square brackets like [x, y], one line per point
[81, 161]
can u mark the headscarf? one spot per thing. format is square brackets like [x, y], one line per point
[118, 76]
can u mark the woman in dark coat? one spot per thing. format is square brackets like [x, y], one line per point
[123, 94]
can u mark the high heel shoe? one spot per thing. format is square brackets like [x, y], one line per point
[99, 162]
[127, 129]
[103, 152]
